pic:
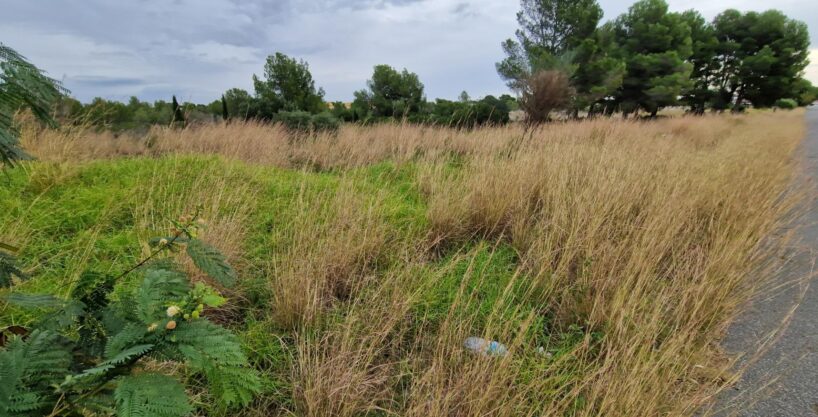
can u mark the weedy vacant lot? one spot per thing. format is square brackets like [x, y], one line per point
[608, 256]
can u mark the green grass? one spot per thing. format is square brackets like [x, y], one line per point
[98, 216]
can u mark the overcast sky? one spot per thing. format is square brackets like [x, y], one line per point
[196, 49]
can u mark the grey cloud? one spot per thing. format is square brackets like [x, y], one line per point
[104, 81]
[464, 10]
[198, 48]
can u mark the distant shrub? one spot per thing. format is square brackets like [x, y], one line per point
[325, 122]
[294, 120]
[786, 103]
[301, 121]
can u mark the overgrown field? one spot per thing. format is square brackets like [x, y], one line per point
[622, 249]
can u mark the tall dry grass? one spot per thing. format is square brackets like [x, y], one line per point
[652, 238]
[644, 237]
[336, 241]
[352, 146]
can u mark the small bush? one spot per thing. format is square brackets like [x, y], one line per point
[325, 122]
[294, 120]
[545, 92]
[786, 103]
[301, 121]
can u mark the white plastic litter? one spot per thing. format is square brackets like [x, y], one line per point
[541, 350]
[485, 347]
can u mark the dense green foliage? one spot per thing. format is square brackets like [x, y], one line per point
[22, 86]
[655, 46]
[786, 103]
[85, 354]
[469, 113]
[136, 115]
[390, 94]
[550, 31]
[287, 86]
[760, 56]
[650, 58]
[301, 121]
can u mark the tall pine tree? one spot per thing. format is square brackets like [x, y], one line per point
[655, 45]
[549, 31]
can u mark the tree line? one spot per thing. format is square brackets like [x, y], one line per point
[286, 93]
[649, 58]
[562, 59]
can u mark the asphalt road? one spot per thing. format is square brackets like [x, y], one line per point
[782, 380]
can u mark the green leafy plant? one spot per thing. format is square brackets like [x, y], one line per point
[89, 353]
[22, 85]
[786, 103]
[8, 266]
[304, 122]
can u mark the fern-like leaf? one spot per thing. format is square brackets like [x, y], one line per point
[211, 262]
[9, 269]
[130, 335]
[151, 395]
[33, 300]
[158, 287]
[22, 85]
[62, 317]
[215, 352]
[92, 288]
[130, 354]
[27, 368]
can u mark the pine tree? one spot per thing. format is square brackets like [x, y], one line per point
[655, 45]
[225, 114]
[549, 31]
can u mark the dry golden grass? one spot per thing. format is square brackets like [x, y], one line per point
[642, 237]
[336, 240]
[651, 240]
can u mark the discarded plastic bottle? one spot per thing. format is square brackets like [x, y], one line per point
[485, 347]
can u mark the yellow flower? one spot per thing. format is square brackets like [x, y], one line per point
[171, 325]
[152, 327]
[173, 310]
[163, 242]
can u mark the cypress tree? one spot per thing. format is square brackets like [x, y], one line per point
[225, 114]
[178, 116]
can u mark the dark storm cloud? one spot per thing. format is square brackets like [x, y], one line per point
[196, 49]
